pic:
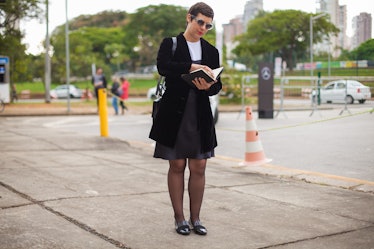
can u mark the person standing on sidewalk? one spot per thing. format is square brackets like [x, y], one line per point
[99, 82]
[183, 127]
[125, 87]
[116, 93]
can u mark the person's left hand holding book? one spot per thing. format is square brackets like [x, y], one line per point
[201, 83]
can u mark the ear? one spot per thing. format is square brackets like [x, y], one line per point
[188, 18]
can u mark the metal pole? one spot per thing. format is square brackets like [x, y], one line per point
[47, 58]
[312, 18]
[329, 65]
[345, 99]
[311, 46]
[67, 55]
[311, 53]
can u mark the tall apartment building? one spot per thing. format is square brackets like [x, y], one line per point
[230, 31]
[338, 16]
[239, 24]
[251, 9]
[361, 26]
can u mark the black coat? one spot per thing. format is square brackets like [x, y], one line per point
[168, 120]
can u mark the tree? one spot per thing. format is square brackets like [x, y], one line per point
[11, 12]
[283, 33]
[364, 52]
[157, 22]
[88, 44]
[144, 37]
[114, 43]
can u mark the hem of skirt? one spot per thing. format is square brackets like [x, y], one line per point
[160, 157]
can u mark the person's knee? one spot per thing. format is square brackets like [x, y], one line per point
[177, 166]
[197, 167]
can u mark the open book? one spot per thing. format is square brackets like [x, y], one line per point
[201, 73]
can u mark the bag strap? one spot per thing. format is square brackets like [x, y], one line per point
[174, 44]
[161, 80]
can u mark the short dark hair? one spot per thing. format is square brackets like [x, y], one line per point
[202, 8]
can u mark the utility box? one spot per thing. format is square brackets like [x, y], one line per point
[4, 79]
[265, 90]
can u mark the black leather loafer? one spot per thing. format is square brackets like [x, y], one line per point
[198, 228]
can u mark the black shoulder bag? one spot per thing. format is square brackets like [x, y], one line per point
[161, 87]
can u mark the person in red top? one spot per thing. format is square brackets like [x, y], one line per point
[125, 86]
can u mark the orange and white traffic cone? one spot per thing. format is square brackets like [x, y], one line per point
[254, 153]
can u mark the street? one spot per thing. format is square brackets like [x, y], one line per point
[325, 142]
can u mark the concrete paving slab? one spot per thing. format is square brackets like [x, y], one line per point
[359, 239]
[345, 203]
[10, 199]
[73, 191]
[34, 227]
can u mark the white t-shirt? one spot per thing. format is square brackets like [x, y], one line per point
[195, 50]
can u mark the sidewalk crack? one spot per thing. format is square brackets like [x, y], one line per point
[68, 218]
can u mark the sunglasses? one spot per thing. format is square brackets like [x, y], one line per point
[201, 23]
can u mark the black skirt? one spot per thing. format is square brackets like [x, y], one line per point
[188, 143]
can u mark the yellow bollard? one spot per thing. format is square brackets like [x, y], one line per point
[103, 113]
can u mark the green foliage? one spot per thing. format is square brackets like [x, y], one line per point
[87, 46]
[364, 52]
[10, 13]
[146, 29]
[283, 33]
[103, 19]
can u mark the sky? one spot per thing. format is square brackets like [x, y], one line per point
[35, 31]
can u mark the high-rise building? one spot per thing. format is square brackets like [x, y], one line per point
[230, 31]
[338, 17]
[238, 25]
[251, 9]
[361, 26]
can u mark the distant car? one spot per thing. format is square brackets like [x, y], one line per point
[62, 92]
[214, 102]
[337, 92]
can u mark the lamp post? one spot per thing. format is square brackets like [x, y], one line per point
[67, 55]
[47, 57]
[312, 18]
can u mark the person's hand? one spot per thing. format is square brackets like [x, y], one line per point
[206, 69]
[201, 83]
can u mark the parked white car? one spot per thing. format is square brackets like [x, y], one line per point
[341, 91]
[61, 91]
[214, 102]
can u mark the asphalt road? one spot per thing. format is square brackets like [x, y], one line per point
[335, 141]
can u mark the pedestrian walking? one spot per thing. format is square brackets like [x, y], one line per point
[125, 87]
[116, 94]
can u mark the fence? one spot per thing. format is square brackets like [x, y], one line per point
[297, 86]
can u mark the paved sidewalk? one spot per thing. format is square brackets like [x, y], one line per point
[65, 190]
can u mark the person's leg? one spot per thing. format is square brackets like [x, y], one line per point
[176, 187]
[122, 106]
[115, 105]
[196, 186]
[97, 97]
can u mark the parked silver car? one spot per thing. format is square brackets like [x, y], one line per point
[214, 102]
[341, 91]
[61, 91]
